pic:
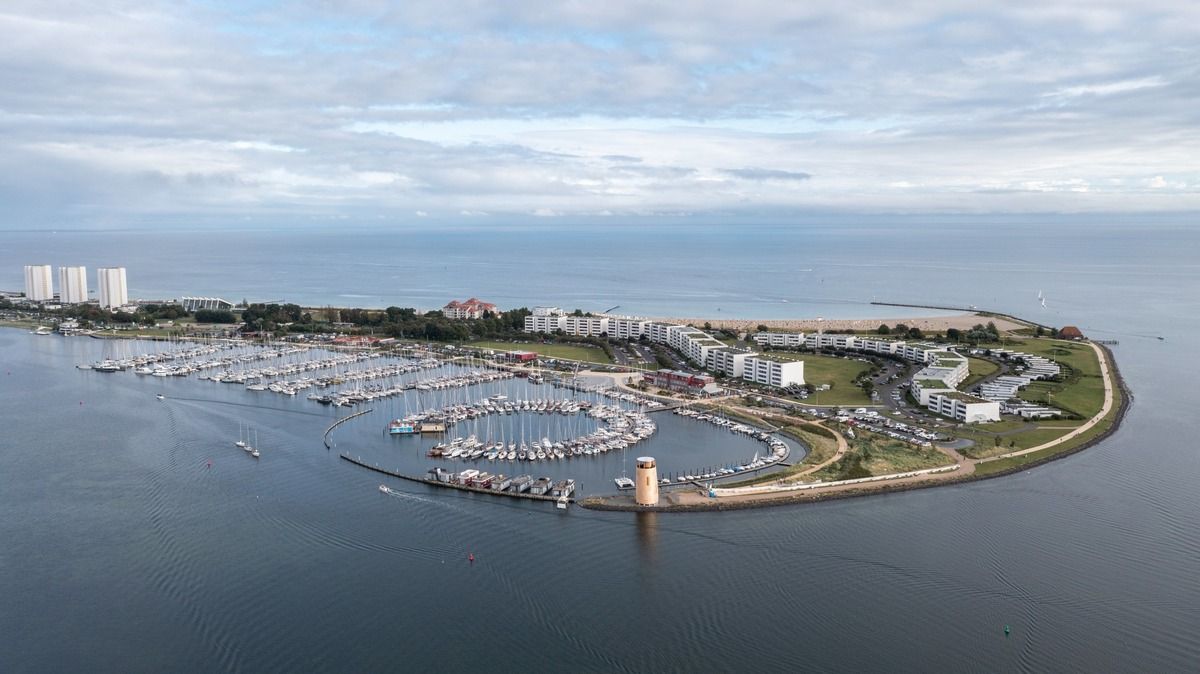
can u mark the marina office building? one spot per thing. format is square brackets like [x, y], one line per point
[72, 285]
[39, 285]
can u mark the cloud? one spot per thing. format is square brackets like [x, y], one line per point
[464, 108]
[762, 174]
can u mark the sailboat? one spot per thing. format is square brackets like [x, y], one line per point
[240, 442]
[254, 450]
[248, 447]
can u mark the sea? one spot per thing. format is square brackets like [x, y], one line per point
[122, 550]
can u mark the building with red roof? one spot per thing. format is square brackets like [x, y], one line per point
[472, 308]
[1070, 332]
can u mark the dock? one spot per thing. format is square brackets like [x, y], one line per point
[339, 422]
[358, 461]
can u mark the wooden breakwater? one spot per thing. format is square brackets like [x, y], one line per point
[339, 422]
[358, 461]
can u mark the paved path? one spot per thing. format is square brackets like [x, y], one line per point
[1104, 410]
[965, 466]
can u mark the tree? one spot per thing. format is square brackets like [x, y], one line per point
[900, 329]
[883, 329]
[762, 327]
[915, 333]
[954, 334]
[214, 316]
[707, 326]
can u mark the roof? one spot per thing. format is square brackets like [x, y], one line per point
[964, 397]
[1070, 331]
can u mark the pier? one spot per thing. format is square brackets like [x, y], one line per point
[339, 422]
[358, 461]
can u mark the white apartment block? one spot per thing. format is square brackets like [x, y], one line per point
[729, 361]
[951, 370]
[627, 328]
[544, 323]
[963, 407]
[72, 285]
[698, 347]
[658, 332]
[548, 311]
[823, 341]
[918, 353]
[889, 346]
[586, 326]
[39, 284]
[770, 372]
[780, 340]
[113, 291]
[924, 389]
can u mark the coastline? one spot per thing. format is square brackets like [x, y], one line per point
[961, 321]
[883, 488]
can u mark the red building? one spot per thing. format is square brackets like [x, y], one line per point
[677, 380]
[1070, 332]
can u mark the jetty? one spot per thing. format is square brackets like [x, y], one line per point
[339, 422]
[358, 461]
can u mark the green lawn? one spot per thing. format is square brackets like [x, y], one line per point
[1083, 390]
[979, 368]
[839, 373]
[587, 354]
[879, 455]
[1104, 425]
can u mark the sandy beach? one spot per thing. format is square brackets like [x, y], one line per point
[962, 321]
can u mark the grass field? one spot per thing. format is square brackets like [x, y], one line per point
[1090, 434]
[839, 373]
[587, 354]
[979, 368]
[872, 454]
[1083, 390]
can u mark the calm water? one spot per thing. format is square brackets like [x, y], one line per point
[120, 551]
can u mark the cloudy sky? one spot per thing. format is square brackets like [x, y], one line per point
[206, 111]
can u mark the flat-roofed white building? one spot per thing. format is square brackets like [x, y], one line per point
[964, 407]
[824, 341]
[627, 328]
[873, 345]
[945, 366]
[729, 361]
[780, 340]
[39, 284]
[922, 389]
[585, 326]
[769, 372]
[72, 285]
[658, 332]
[198, 303]
[548, 311]
[918, 353]
[697, 347]
[544, 323]
[113, 291]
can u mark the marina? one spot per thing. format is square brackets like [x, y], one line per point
[456, 410]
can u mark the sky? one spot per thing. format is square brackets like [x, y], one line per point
[116, 112]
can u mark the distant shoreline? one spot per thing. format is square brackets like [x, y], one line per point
[962, 321]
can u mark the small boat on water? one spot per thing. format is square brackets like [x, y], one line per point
[160, 396]
[383, 488]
